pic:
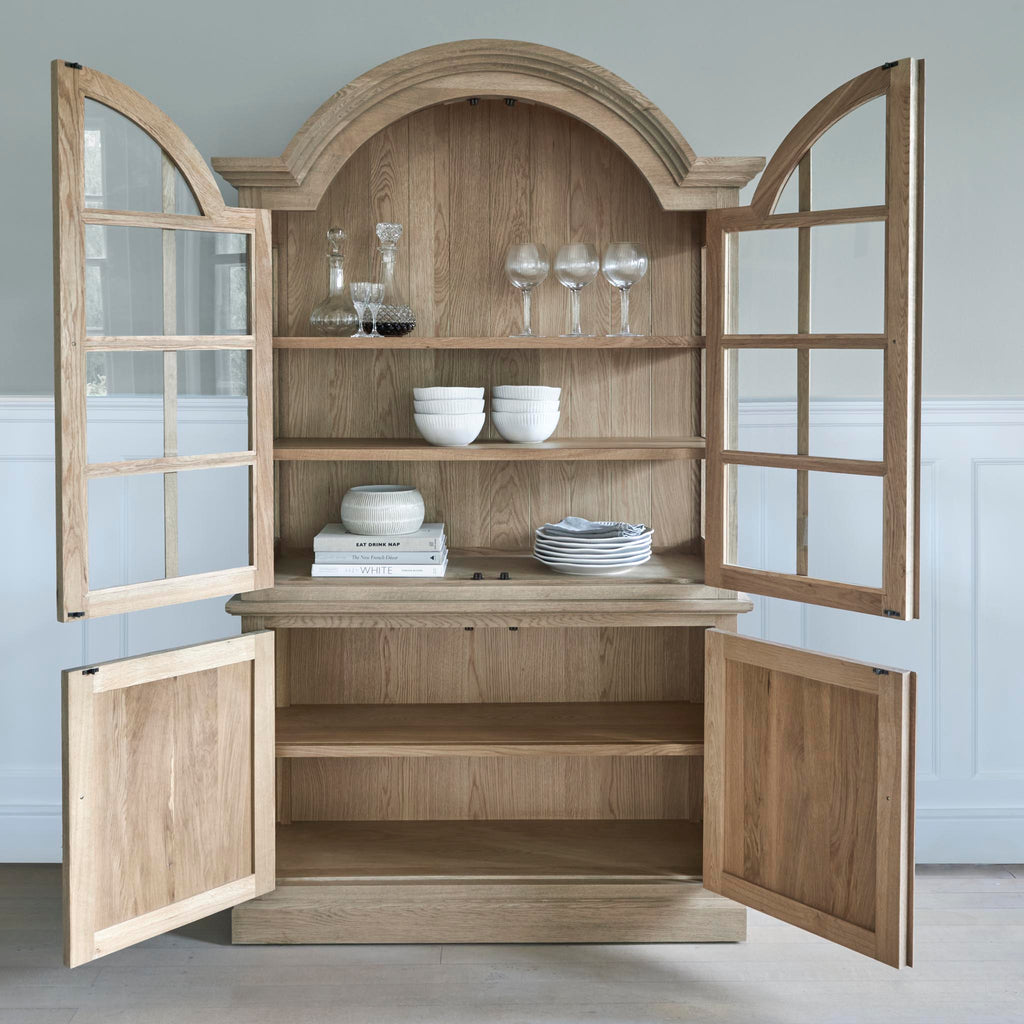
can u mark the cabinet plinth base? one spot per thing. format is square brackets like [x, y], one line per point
[486, 912]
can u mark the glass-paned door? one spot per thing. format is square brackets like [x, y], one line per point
[820, 300]
[163, 338]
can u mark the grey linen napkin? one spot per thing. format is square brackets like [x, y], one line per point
[575, 526]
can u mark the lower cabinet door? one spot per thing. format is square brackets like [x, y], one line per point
[168, 790]
[809, 791]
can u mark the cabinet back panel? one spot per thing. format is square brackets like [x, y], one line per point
[399, 666]
[500, 504]
[460, 788]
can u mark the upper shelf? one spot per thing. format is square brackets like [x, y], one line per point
[410, 342]
[572, 449]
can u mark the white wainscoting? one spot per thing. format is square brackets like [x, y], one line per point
[970, 794]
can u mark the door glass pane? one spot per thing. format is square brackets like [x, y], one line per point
[846, 396]
[206, 281]
[126, 524]
[213, 519]
[765, 518]
[844, 528]
[763, 384]
[848, 278]
[126, 170]
[124, 406]
[848, 161]
[126, 530]
[766, 302]
[789, 197]
[213, 402]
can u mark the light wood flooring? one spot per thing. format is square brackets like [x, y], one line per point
[969, 954]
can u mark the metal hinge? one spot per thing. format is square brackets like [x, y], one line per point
[889, 64]
[76, 615]
[73, 64]
[89, 671]
[892, 613]
[880, 671]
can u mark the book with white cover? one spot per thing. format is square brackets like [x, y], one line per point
[334, 537]
[381, 557]
[382, 571]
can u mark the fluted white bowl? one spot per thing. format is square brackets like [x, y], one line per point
[522, 405]
[449, 430]
[434, 394]
[525, 427]
[527, 392]
[382, 510]
[443, 405]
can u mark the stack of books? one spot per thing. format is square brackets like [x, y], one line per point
[422, 554]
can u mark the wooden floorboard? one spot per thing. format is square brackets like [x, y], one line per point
[969, 953]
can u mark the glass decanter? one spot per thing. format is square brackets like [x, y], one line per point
[335, 315]
[395, 317]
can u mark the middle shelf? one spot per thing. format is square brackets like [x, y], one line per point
[638, 728]
[588, 449]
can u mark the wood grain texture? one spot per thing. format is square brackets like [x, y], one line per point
[655, 729]
[168, 791]
[486, 68]
[485, 788]
[422, 851]
[501, 912]
[807, 791]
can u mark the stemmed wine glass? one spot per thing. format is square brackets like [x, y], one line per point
[374, 298]
[623, 265]
[576, 266]
[526, 265]
[359, 290]
[366, 295]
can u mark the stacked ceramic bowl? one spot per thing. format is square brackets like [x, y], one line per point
[591, 556]
[451, 417]
[526, 414]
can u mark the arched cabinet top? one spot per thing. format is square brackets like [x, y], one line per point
[483, 68]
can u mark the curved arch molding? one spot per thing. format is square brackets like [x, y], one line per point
[298, 178]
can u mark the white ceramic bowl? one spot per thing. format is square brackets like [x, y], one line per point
[451, 429]
[381, 510]
[525, 427]
[434, 394]
[442, 405]
[522, 405]
[531, 393]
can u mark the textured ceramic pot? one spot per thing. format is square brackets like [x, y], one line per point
[382, 510]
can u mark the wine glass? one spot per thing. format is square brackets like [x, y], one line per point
[526, 265]
[623, 265]
[576, 266]
[359, 290]
[374, 298]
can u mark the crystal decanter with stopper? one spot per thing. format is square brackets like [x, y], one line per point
[335, 315]
[395, 317]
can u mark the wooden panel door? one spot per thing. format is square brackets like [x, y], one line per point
[858, 249]
[168, 790]
[163, 362]
[809, 791]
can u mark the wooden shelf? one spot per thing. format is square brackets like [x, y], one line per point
[571, 851]
[669, 583]
[373, 449]
[347, 344]
[652, 728]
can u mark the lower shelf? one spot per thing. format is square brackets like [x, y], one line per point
[324, 852]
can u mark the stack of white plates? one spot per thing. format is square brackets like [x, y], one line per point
[599, 556]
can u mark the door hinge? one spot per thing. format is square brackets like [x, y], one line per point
[73, 64]
[889, 64]
[76, 615]
[89, 671]
[880, 671]
[891, 613]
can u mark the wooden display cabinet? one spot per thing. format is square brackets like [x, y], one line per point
[505, 754]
